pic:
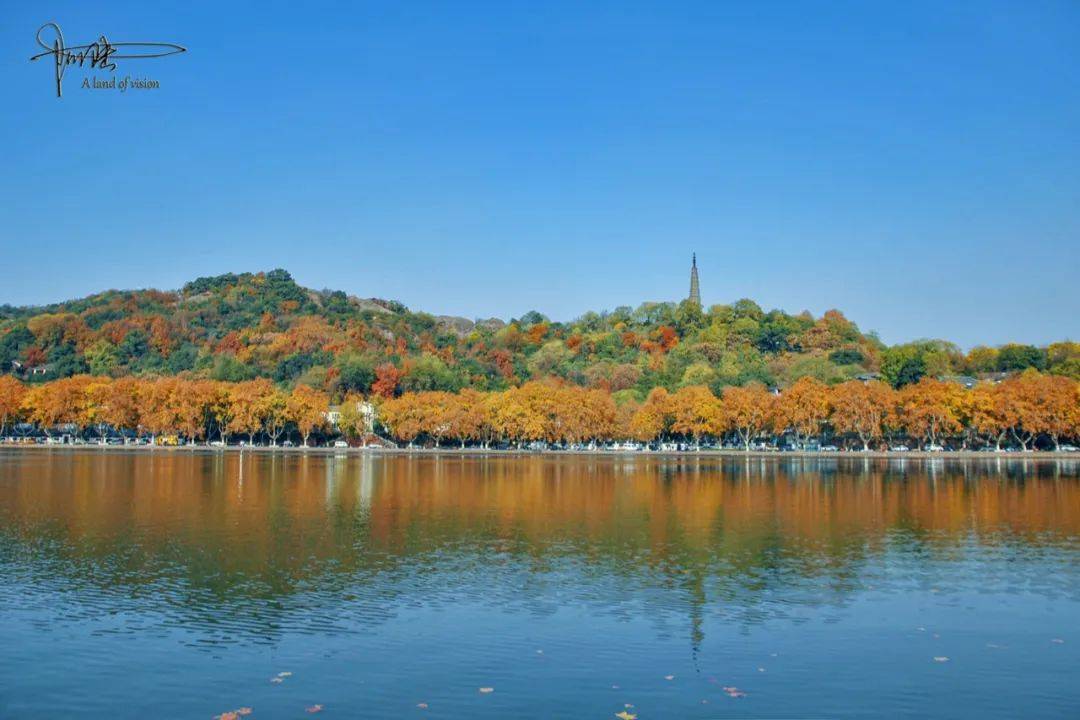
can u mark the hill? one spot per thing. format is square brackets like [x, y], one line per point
[241, 326]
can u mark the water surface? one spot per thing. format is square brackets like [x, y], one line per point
[180, 584]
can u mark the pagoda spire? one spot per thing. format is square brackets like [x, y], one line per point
[695, 291]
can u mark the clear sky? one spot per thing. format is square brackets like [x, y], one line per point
[914, 164]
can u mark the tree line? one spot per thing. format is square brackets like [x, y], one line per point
[1030, 409]
[196, 410]
[1026, 408]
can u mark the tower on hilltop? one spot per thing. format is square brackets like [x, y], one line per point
[695, 291]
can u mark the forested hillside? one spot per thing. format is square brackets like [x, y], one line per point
[240, 327]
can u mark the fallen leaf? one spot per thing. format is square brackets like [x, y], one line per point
[315, 709]
[628, 705]
[422, 706]
[669, 677]
[227, 715]
[940, 658]
[761, 669]
[1058, 641]
[486, 690]
[243, 711]
[276, 680]
[284, 674]
[625, 715]
[704, 702]
[734, 692]
[614, 687]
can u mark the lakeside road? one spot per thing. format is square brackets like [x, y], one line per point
[476, 452]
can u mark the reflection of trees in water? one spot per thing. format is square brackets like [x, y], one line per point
[240, 546]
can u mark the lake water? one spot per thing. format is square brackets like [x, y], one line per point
[186, 584]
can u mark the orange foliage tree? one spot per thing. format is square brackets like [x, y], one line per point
[308, 408]
[695, 411]
[930, 409]
[803, 408]
[12, 395]
[747, 411]
[861, 409]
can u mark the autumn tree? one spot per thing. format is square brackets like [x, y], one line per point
[12, 395]
[986, 414]
[695, 412]
[57, 403]
[469, 419]
[387, 378]
[308, 408]
[1058, 398]
[747, 411]
[861, 409]
[653, 418]
[160, 413]
[404, 417]
[351, 421]
[930, 409]
[802, 408]
[248, 405]
[274, 409]
[194, 407]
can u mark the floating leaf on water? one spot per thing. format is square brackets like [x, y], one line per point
[284, 674]
[1058, 641]
[243, 711]
[669, 677]
[277, 680]
[704, 702]
[422, 706]
[614, 687]
[314, 708]
[539, 652]
[625, 715]
[628, 705]
[761, 669]
[734, 692]
[921, 629]
[227, 715]
[486, 690]
[940, 658]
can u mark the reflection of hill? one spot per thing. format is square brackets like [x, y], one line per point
[233, 544]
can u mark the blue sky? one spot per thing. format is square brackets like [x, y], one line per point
[916, 165]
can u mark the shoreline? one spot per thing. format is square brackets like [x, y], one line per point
[1040, 455]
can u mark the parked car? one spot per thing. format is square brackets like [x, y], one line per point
[899, 448]
[340, 444]
[287, 443]
[932, 447]
[829, 448]
[1069, 448]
